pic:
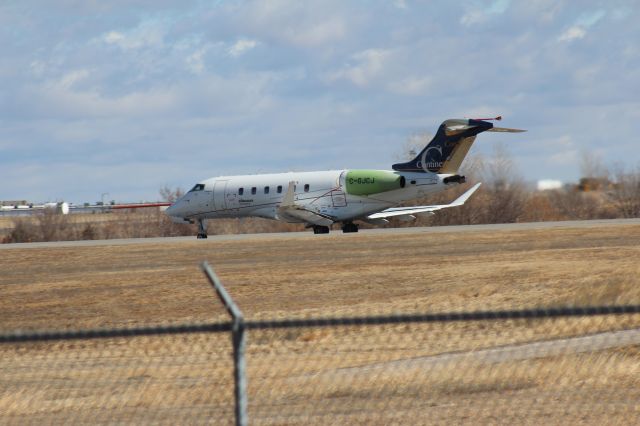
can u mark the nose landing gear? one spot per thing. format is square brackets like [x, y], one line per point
[202, 230]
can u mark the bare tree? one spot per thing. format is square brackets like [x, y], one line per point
[413, 145]
[23, 232]
[625, 194]
[503, 186]
[591, 166]
[170, 195]
[53, 226]
[577, 205]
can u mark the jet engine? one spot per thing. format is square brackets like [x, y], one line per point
[368, 182]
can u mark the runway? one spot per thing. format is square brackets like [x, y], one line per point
[336, 233]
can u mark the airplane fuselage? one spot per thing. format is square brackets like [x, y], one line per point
[342, 195]
[321, 199]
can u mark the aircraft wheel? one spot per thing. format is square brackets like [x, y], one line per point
[349, 227]
[202, 229]
[320, 229]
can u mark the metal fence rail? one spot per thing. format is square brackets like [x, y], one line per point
[562, 312]
[366, 369]
[221, 327]
[44, 336]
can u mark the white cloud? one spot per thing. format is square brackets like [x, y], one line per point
[241, 46]
[412, 86]
[327, 31]
[485, 111]
[564, 157]
[581, 25]
[195, 61]
[68, 80]
[476, 15]
[38, 68]
[472, 17]
[563, 151]
[62, 101]
[226, 98]
[149, 33]
[542, 12]
[303, 24]
[113, 37]
[400, 4]
[370, 64]
[573, 33]
[589, 19]
[621, 13]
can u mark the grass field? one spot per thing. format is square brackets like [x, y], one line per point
[299, 375]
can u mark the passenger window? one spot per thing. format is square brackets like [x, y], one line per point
[413, 182]
[240, 191]
[253, 190]
[279, 189]
[306, 187]
[266, 189]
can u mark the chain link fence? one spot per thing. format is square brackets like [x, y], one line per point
[578, 365]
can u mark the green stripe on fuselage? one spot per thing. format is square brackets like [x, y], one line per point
[368, 182]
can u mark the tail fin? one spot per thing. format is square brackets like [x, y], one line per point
[447, 149]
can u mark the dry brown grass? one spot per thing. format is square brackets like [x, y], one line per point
[296, 372]
[140, 223]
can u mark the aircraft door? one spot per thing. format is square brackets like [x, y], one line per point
[219, 188]
[233, 203]
[338, 196]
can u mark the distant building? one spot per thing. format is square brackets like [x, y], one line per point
[594, 184]
[13, 203]
[549, 184]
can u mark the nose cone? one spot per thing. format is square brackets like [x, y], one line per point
[176, 209]
[178, 212]
[170, 211]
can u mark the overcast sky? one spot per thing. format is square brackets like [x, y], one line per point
[124, 97]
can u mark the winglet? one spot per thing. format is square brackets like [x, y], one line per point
[464, 197]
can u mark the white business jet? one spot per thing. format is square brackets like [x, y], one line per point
[320, 199]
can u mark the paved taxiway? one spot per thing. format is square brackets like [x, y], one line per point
[585, 224]
[516, 352]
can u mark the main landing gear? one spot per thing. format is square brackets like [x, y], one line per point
[349, 227]
[202, 230]
[317, 229]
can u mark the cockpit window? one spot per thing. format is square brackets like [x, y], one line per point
[198, 187]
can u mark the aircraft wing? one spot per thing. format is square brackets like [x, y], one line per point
[305, 216]
[408, 211]
[288, 209]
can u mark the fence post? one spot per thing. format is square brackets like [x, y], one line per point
[239, 343]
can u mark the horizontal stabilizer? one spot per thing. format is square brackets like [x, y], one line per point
[413, 210]
[505, 130]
